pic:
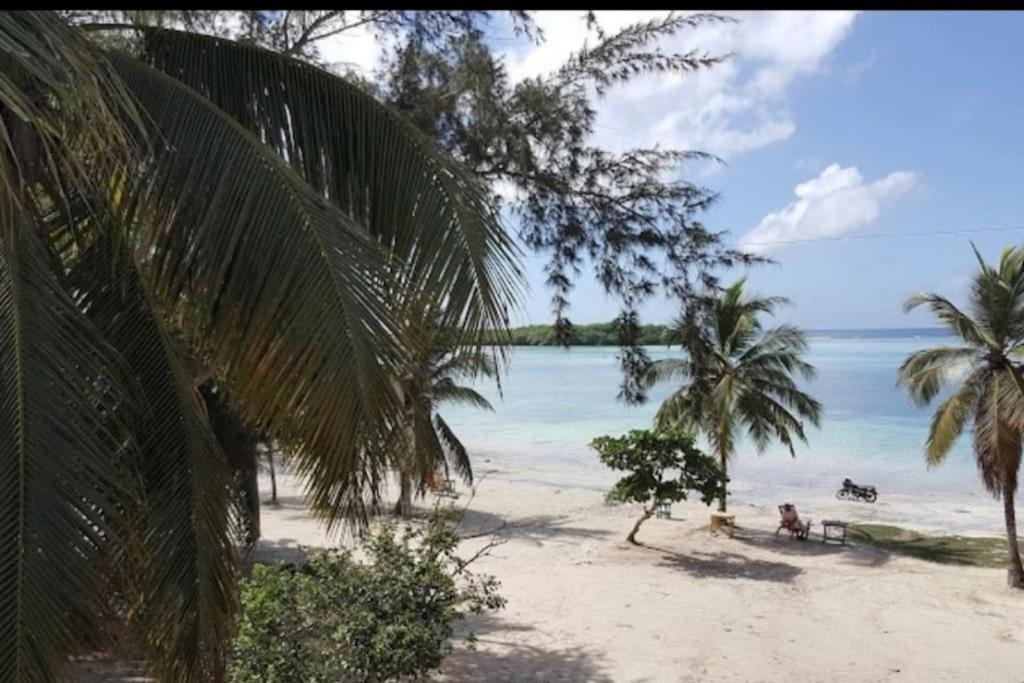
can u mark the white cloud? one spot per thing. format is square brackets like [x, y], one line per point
[354, 50]
[737, 106]
[729, 109]
[835, 203]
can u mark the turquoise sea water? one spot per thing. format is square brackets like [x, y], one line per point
[553, 402]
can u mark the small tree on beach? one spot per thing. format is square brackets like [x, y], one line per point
[737, 375]
[990, 392]
[663, 467]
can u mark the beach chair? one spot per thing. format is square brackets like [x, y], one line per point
[791, 522]
[448, 489]
[442, 485]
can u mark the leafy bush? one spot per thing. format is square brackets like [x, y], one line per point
[664, 465]
[337, 618]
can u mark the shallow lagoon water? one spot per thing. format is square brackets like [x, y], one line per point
[554, 401]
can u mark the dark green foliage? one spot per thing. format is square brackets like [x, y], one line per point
[647, 455]
[663, 465]
[210, 212]
[338, 618]
[594, 334]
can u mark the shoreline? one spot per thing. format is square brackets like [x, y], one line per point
[935, 511]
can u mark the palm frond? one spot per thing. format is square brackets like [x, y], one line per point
[721, 432]
[63, 432]
[997, 443]
[68, 115]
[456, 450]
[429, 212]
[666, 370]
[791, 398]
[765, 417]
[446, 391]
[283, 288]
[924, 373]
[781, 363]
[952, 416]
[736, 315]
[425, 452]
[465, 363]
[956, 320]
[681, 409]
[187, 576]
[780, 347]
[997, 297]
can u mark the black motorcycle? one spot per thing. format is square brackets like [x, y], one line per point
[851, 491]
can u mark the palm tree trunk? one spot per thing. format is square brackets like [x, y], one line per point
[725, 493]
[1015, 572]
[403, 508]
[238, 440]
[273, 476]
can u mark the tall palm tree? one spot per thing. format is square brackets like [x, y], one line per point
[737, 376]
[271, 214]
[424, 441]
[989, 392]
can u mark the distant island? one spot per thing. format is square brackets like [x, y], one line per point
[592, 334]
[604, 334]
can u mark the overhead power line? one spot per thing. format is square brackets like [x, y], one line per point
[883, 235]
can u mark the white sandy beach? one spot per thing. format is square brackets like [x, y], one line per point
[585, 606]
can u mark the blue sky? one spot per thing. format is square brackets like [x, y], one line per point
[932, 95]
[884, 122]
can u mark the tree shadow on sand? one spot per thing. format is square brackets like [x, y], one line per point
[99, 668]
[727, 565]
[781, 544]
[497, 657]
[285, 550]
[535, 529]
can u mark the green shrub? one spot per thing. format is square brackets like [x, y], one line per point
[336, 618]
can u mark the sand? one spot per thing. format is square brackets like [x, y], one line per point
[583, 605]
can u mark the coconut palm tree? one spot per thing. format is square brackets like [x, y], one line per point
[988, 391]
[269, 213]
[424, 442]
[737, 376]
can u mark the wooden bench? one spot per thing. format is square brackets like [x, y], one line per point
[837, 528]
[723, 522]
[664, 511]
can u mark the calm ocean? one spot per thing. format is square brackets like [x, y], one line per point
[553, 402]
